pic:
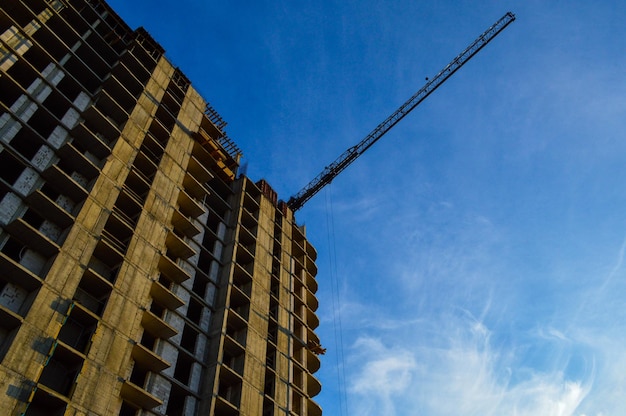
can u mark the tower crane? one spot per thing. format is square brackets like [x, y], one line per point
[346, 158]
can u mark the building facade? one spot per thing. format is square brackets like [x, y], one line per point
[140, 274]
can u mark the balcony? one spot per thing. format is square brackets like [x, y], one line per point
[239, 303]
[243, 255]
[90, 140]
[62, 369]
[146, 166]
[125, 99]
[184, 224]
[311, 319]
[272, 332]
[296, 403]
[104, 50]
[305, 315]
[135, 67]
[96, 63]
[310, 281]
[189, 206]
[126, 78]
[313, 386]
[311, 337]
[77, 161]
[298, 234]
[197, 169]
[236, 320]
[94, 303]
[249, 221]
[136, 395]
[194, 188]
[146, 52]
[157, 326]
[78, 328]
[229, 376]
[217, 203]
[234, 363]
[116, 245]
[232, 347]
[165, 297]
[148, 359]
[165, 116]
[310, 266]
[310, 251]
[62, 180]
[312, 408]
[224, 407]
[136, 187]
[9, 320]
[32, 237]
[78, 70]
[173, 271]
[229, 391]
[219, 187]
[311, 300]
[153, 146]
[96, 284]
[245, 288]
[15, 273]
[251, 204]
[46, 401]
[51, 209]
[242, 278]
[297, 250]
[298, 378]
[105, 261]
[101, 124]
[178, 247]
[127, 208]
[247, 237]
[299, 320]
[236, 328]
[160, 133]
[313, 362]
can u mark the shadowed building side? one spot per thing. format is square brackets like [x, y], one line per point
[139, 274]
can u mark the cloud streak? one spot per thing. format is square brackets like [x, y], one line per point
[461, 373]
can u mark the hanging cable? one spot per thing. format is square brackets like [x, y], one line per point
[336, 304]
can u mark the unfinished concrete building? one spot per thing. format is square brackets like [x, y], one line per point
[140, 274]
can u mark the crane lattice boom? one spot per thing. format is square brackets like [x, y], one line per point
[350, 155]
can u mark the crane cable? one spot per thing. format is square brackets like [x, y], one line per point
[336, 307]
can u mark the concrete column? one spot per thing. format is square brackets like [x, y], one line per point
[9, 127]
[160, 387]
[58, 137]
[33, 261]
[43, 158]
[50, 230]
[12, 297]
[195, 376]
[190, 406]
[205, 319]
[209, 296]
[169, 354]
[9, 206]
[26, 181]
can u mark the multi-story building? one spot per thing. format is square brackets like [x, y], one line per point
[140, 274]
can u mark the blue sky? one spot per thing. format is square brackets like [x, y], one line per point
[472, 261]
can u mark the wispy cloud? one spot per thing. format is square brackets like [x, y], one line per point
[385, 374]
[457, 370]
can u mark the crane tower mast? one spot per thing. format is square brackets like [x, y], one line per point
[346, 158]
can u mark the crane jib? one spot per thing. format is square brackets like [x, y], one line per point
[346, 158]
